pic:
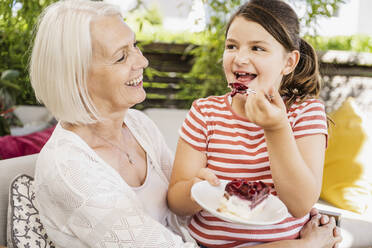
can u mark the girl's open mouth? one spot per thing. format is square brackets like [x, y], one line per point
[244, 77]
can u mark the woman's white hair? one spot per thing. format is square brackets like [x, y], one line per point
[61, 56]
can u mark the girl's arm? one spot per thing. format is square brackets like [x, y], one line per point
[296, 165]
[189, 168]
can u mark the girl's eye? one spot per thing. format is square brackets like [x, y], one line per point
[230, 46]
[256, 48]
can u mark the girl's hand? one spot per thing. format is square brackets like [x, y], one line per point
[323, 220]
[205, 174]
[208, 175]
[266, 110]
[321, 231]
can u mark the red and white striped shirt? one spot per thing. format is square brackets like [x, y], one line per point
[236, 148]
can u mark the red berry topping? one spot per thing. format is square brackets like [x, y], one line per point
[238, 88]
[252, 191]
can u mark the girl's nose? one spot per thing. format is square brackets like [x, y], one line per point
[242, 57]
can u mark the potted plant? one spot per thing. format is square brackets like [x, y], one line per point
[8, 91]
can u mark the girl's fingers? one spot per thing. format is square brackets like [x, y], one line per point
[324, 220]
[276, 98]
[336, 231]
[270, 95]
[313, 212]
[337, 236]
[331, 223]
[250, 105]
[208, 175]
[262, 103]
[314, 221]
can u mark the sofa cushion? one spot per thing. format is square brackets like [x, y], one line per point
[9, 168]
[16, 146]
[24, 225]
[169, 122]
[347, 180]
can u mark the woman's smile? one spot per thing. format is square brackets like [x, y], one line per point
[135, 82]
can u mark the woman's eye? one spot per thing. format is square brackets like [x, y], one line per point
[121, 59]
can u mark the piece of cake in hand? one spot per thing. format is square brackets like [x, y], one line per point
[240, 88]
[242, 197]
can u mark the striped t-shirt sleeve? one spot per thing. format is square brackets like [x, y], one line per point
[309, 119]
[194, 128]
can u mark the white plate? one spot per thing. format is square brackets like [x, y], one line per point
[208, 197]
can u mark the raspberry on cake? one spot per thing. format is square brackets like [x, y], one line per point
[242, 197]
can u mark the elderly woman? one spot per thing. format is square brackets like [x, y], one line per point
[101, 179]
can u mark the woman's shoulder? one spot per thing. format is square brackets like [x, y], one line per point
[66, 159]
[63, 142]
[63, 150]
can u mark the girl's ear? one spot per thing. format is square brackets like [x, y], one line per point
[292, 61]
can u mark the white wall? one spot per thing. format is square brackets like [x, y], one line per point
[346, 23]
[355, 16]
[365, 17]
[178, 15]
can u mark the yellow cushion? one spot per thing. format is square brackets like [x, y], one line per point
[347, 178]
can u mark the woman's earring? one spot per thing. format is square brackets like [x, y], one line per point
[295, 91]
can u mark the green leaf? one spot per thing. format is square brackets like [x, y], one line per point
[10, 74]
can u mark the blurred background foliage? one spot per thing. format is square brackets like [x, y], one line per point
[18, 17]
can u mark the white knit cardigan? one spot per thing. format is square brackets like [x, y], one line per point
[83, 202]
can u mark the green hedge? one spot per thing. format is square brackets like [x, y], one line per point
[16, 30]
[357, 43]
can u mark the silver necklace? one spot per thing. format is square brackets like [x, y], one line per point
[130, 160]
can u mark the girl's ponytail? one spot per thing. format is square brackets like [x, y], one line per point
[304, 81]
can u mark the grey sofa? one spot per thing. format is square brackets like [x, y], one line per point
[9, 169]
[356, 229]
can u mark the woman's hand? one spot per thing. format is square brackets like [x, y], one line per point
[266, 110]
[321, 231]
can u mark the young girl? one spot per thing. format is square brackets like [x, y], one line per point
[277, 134]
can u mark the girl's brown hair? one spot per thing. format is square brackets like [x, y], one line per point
[280, 20]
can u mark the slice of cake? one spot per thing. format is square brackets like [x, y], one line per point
[239, 88]
[242, 197]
